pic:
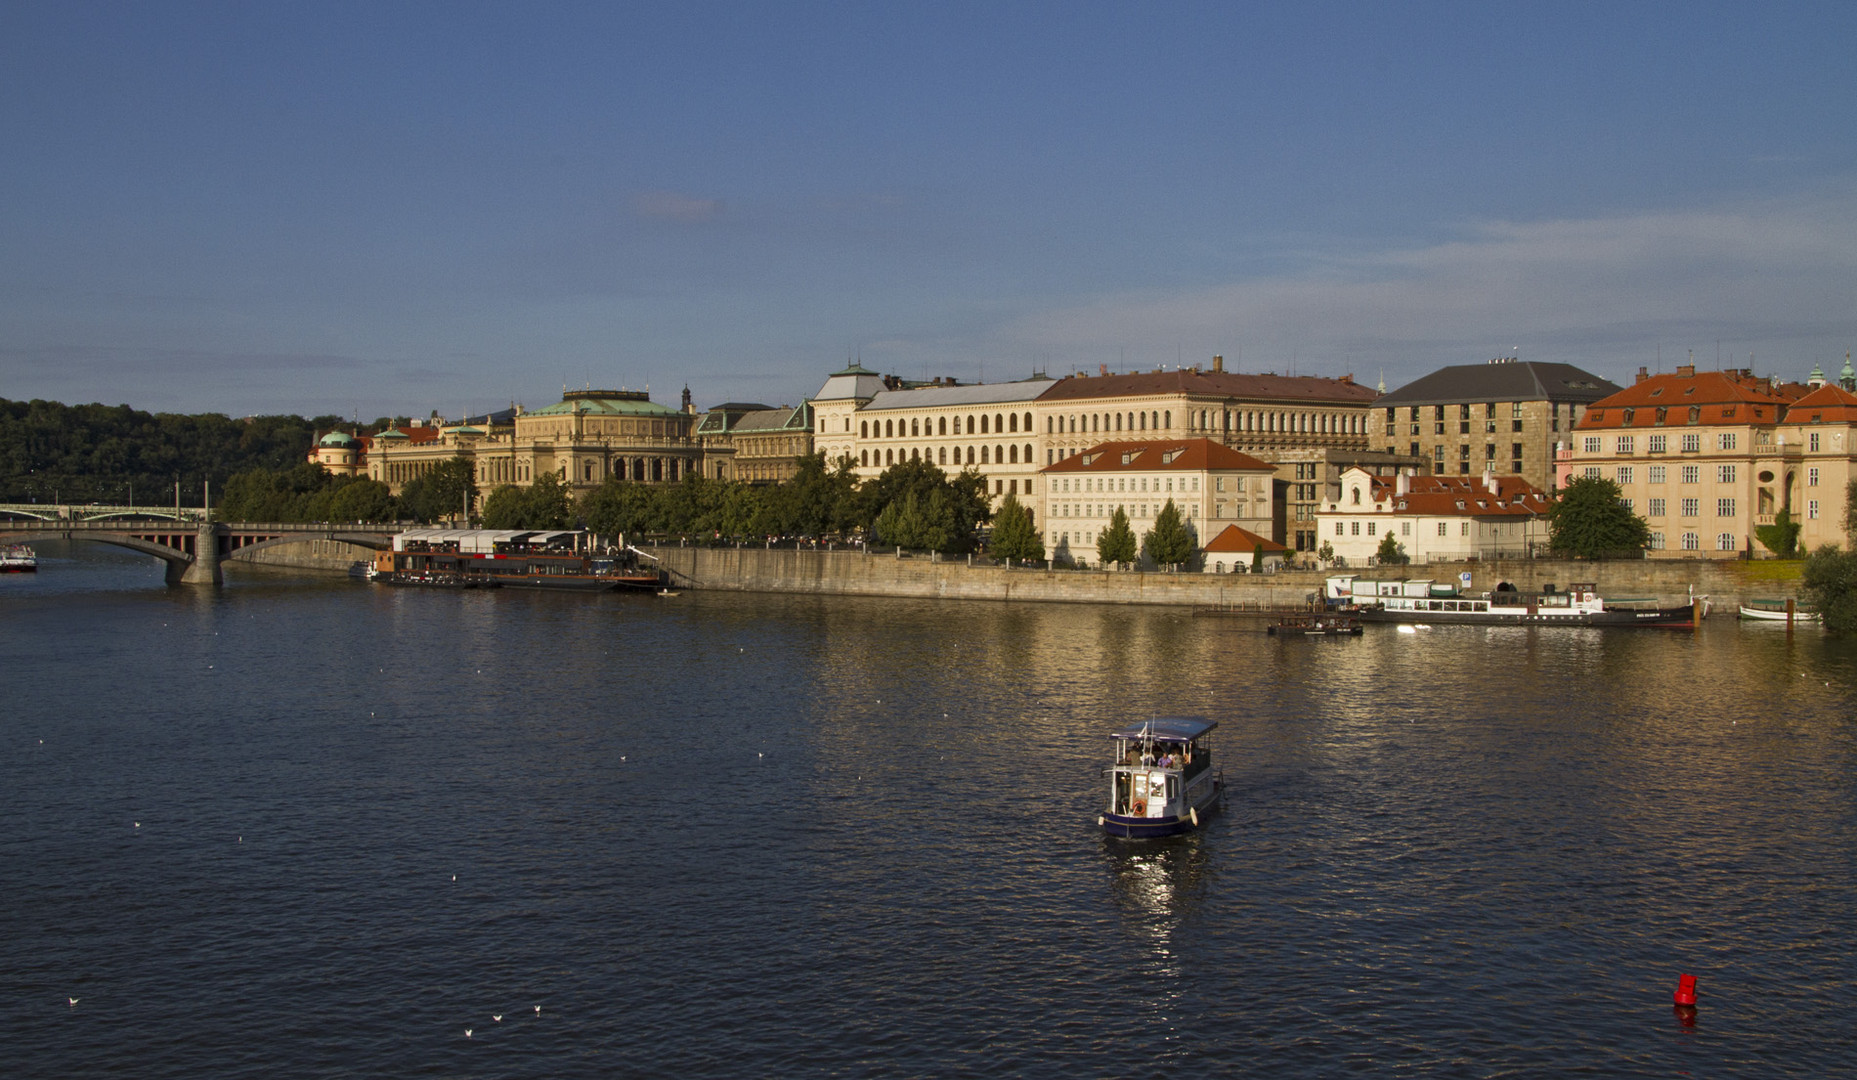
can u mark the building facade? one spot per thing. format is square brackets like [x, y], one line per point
[1506, 416]
[1433, 518]
[1210, 484]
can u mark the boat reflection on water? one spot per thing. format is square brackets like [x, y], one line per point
[1157, 885]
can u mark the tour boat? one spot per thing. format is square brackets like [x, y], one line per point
[18, 559]
[1163, 780]
[1316, 626]
[562, 559]
[1775, 611]
[1421, 601]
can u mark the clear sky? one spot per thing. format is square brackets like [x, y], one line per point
[401, 207]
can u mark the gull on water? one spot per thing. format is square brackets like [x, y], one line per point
[538, 1010]
[498, 1017]
[73, 1002]
[467, 1033]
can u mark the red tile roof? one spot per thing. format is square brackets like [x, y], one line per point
[1717, 397]
[1289, 389]
[1177, 455]
[1450, 496]
[1242, 542]
[1828, 404]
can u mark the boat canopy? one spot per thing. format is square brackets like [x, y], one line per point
[1168, 728]
[484, 541]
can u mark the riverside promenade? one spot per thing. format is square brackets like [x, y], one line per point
[850, 572]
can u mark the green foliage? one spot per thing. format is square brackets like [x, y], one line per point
[1390, 553]
[362, 500]
[617, 508]
[1589, 521]
[1117, 543]
[97, 453]
[1830, 587]
[1015, 535]
[1326, 552]
[544, 504]
[1781, 537]
[942, 517]
[1171, 541]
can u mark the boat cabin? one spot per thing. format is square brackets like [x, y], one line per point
[1160, 767]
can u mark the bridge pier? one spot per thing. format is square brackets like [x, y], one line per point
[204, 569]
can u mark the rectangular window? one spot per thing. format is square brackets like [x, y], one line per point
[1724, 474]
[1691, 507]
[1725, 542]
[1811, 509]
[1591, 444]
[1657, 541]
[1443, 527]
[1692, 542]
[1463, 528]
[1624, 444]
[1654, 474]
[1625, 473]
[1725, 441]
[1405, 528]
[1655, 508]
[1811, 477]
[1592, 472]
[1340, 529]
[1692, 443]
[1812, 441]
[1515, 410]
[1626, 503]
[1724, 508]
[1692, 474]
[1354, 527]
[1370, 526]
[1656, 442]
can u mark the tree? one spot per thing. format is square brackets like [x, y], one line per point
[950, 507]
[362, 500]
[1117, 543]
[1590, 521]
[1015, 536]
[618, 507]
[441, 491]
[1830, 587]
[1781, 537]
[1171, 541]
[1390, 553]
[503, 508]
[544, 504]
[1326, 552]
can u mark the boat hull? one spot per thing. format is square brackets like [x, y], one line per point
[1674, 618]
[1753, 614]
[1151, 828]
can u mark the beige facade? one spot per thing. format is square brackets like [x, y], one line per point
[1707, 458]
[1506, 416]
[1433, 518]
[1210, 484]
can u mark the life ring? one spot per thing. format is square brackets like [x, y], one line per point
[1138, 808]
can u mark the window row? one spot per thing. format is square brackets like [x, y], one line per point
[939, 455]
[917, 427]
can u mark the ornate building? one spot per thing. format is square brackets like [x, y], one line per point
[1211, 485]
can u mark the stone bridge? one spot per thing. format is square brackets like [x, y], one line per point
[192, 551]
[96, 512]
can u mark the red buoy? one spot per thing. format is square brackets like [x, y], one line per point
[1686, 990]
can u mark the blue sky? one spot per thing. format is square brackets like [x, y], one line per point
[404, 207]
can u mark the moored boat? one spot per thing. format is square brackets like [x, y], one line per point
[1163, 780]
[18, 559]
[1316, 626]
[1775, 611]
[562, 559]
[1421, 601]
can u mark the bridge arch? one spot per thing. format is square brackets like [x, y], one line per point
[178, 561]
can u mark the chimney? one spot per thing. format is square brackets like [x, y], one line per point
[1102, 369]
[1643, 374]
[1348, 379]
[1403, 485]
[1686, 371]
[1218, 363]
[1489, 480]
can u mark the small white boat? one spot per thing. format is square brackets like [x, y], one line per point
[670, 592]
[1163, 781]
[1775, 611]
[18, 559]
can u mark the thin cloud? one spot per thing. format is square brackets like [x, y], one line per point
[1776, 279]
[672, 206]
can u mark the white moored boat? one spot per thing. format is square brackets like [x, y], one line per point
[18, 559]
[1163, 780]
[1775, 611]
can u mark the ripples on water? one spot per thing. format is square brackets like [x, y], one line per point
[729, 835]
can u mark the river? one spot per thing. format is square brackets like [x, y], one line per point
[307, 826]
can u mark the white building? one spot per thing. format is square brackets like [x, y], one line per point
[1211, 485]
[1434, 518]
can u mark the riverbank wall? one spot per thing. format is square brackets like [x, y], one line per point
[854, 573]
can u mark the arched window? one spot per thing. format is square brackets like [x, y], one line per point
[970, 423]
[999, 455]
[943, 425]
[943, 454]
[864, 429]
[1028, 458]
[1013, 420]
[1142, 421]
[915, 455]
[1118, 421]
[889, 429]
[915, 427]
[983, 424]
[970, 455]
[1167, 419]
[1014, 454]
[983, 456]
[1028, 423]
[889, 457]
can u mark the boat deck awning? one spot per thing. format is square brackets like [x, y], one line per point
[1168, 728]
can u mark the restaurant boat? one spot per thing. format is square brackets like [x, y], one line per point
[1163, 781]
[18, 559]
[1422, 601]
[565, 559]
[1316, 626]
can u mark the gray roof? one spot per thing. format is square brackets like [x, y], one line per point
[941, 397]
[1508, 380]
[855, 383]
[765, 420]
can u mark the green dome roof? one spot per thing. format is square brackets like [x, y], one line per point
[336, 438]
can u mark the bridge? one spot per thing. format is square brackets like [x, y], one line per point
[193, 551]
[96, 512]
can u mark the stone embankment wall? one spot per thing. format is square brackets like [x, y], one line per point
[853, 573]
[305, 555]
